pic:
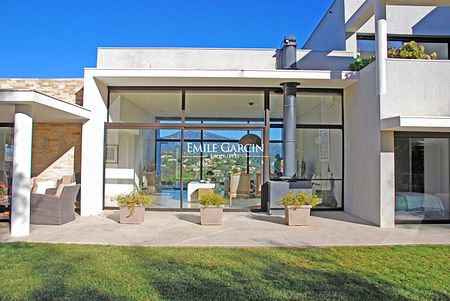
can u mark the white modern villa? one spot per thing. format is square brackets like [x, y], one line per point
[250, 124]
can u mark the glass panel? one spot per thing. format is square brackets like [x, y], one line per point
[219, 160]
[276, 107]
[440, 48]
[276, 159]
[312, 108]
[143, 106]
[136, 160]
[228, 135]
[192, 161]
[6, 169]
[319, 153]
[330, 192]
[212, 107]
[319, 108]
[366, 48]
[422, 179]
[276, 134]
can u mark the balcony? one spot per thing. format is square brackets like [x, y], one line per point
[416, 88]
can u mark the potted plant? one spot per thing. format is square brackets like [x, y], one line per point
[211, 209]
[297, 207]
[132, 207]
[2, 192]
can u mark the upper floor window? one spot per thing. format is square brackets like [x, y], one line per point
[441, 45]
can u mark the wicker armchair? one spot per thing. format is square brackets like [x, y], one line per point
[54, 210]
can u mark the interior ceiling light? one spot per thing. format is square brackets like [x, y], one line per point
[250, 139]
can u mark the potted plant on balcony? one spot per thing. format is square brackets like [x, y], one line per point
[211, 209]
[132, 207]
[297, 207]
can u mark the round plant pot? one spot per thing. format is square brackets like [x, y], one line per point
[297, 216]
[211, 215]
[137, 218]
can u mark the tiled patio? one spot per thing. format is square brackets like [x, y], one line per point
[238, 229]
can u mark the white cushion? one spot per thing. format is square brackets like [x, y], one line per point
[42, 186]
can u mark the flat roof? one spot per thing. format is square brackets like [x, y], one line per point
[416, 123]
[223, 78]
[45, 108]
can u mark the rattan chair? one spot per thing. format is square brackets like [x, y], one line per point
[53, 210]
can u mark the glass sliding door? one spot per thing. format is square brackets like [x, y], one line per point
[217, 158]
[319, 149]
[143, 159]
[422, 177]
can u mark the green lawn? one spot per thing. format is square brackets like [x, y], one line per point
[91, 272]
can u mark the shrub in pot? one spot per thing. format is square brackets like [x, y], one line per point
[411, 50]
[297, 207]
[132, 207]
[211, 209]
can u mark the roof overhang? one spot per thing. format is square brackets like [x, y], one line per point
[416, 124]
[44, 108]
[223, 78]
[366, 11]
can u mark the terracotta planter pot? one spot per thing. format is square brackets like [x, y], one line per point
[137, 218]
[211, 215]
[297, 216]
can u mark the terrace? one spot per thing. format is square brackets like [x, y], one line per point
[239, 229]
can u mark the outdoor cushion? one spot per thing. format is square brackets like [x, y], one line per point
[60, 188]
[42, 186]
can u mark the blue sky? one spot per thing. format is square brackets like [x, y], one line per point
[60, 38]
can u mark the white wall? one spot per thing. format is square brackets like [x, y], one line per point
[330, 33]
[419, 20]
[218, 59]
[362, 148]
[417, 88]
[95, 97]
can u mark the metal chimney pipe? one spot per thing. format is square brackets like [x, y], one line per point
[289, 53]
[289, 129]
[288, 60]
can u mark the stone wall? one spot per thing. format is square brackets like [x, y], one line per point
[67, 89]
[56, 149]
[56, 146]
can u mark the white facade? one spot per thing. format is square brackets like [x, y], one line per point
[387, 97]
[390, 88]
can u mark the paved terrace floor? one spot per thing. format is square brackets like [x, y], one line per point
[238, 229]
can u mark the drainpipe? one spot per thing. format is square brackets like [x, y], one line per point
[289, 61]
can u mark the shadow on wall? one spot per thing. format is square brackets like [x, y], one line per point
[79, 97]
[435, 23]
[324, 60]
[56, 149]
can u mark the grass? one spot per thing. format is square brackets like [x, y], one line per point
[92, 272]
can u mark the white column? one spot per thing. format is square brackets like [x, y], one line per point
[381, 44]
[387, 180]
[20, 205]
[95, 96]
